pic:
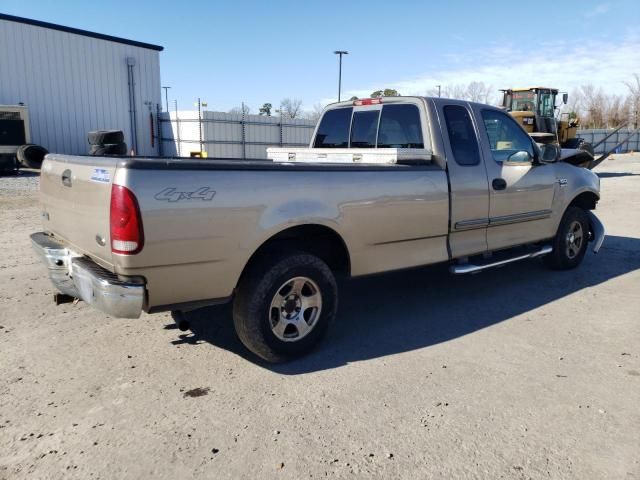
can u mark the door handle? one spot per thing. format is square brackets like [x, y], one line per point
[66, 178]
[499, 184]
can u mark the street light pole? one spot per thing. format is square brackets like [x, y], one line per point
[166, 97]
[340, 53]
[438, 90]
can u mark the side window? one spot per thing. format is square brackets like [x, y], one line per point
[333, 131]
[505, 136]
[400, 127]
[363, 129]
[464, 143]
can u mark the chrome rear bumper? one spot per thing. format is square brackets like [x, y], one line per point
[82, 278]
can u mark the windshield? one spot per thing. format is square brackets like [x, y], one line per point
[523, 102]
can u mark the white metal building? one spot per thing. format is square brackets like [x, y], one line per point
[74, 81]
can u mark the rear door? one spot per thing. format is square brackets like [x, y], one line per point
[469, 201]
[76, 193]
[520, 191]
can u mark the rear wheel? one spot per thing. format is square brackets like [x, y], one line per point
[284, 305]
[570, 242]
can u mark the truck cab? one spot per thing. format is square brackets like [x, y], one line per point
[505, 189]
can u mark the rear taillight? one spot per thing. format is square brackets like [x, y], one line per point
[127, 236]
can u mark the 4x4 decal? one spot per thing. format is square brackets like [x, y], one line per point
[171, 195]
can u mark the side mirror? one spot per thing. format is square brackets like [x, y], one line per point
[519, 157]
[549, 152]
[565, 98]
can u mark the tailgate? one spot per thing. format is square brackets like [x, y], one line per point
[75, 193]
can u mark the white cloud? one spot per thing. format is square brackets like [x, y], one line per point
[557, 64]
[597, 11]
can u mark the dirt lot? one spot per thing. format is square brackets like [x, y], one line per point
[515, 373]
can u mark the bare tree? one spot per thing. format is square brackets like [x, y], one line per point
[474, 92]
[594, 106]
[617, 110]
[478, 92]
[241, 109]
[634, 99]
[457, 91]
[290, 108]
[314, 113]
[575, 105]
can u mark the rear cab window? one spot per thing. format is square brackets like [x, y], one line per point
[333, 131]
[391, 126]
[364, 129]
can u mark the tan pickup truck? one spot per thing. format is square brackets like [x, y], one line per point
[385, 185]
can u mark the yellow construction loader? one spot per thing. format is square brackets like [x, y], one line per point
[535, 109]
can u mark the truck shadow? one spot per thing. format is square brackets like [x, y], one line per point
[616, 174]
[403, 311]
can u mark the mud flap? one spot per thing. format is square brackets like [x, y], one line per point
[598, 231]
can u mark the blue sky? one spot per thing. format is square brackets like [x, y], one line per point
[263, 51]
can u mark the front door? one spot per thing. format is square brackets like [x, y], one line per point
[520, 191]
[467, 180]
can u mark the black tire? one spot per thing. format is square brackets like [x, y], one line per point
[567, 253]
[579, 144]
[254, 317]
[103, 137]
[587, 147]
[109, 149]
[31, 156]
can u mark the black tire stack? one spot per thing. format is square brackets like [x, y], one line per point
[107, 142]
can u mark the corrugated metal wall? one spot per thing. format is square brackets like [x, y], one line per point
[73, 84]
[595, 135]
[223, 136]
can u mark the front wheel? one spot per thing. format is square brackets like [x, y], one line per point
[570, 242]
[284, 304]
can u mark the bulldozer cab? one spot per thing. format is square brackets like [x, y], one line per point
[534, 108]
[539, 100]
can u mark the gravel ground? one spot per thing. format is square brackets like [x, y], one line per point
[518, 373]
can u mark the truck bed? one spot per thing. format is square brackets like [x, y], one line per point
[390, 216]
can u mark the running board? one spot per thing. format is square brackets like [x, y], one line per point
[472, 268]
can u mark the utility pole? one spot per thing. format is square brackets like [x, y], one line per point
[166, 97]
[340, 53]
[200, 122]
[175, 102]
[438, 90]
